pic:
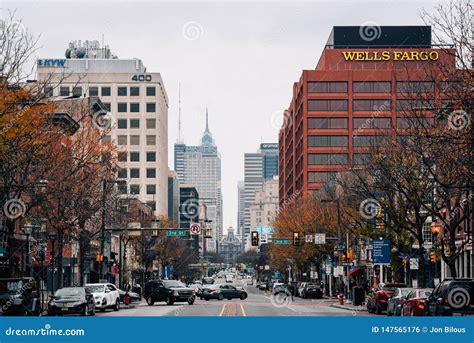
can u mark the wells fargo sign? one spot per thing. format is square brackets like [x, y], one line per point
[390, 55]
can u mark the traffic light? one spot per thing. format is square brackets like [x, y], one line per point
[351, 255]
[433, 257]
[255, 239]
[99, 258]
[296, 238]
[343, 257]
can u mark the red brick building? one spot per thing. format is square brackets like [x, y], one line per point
[352, 99]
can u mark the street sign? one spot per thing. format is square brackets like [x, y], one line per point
[281, 241]
[308, 238]
[320, 238]
[413, 263]
[176, 233]
[195, 229]
[328, 269]
[263, 238]
[267, 267]
[381, 251]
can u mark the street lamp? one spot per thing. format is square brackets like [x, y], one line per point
[52, 235]
[28, 229]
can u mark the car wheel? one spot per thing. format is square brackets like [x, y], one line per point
[150, 301]
[169, 301]
[207, 299]
[117, 305]
[243, 296]
[221, 296]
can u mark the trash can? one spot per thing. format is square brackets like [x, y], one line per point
[358, 295]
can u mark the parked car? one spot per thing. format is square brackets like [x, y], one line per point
[414, 304]
[249, 282]
[106, 295]
[72, 300]
[170, 291]
[394, 303]
[19, 297]
[451, 296]
[378, 298]
[208, 281]
[262, 285]
[224, 291]
[300, 289]
[132, 296]
[281, 288]
[312, 290]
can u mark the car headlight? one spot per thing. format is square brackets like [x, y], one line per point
[175, 293]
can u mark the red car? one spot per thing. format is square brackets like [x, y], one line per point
[414, 304]
[377, 300]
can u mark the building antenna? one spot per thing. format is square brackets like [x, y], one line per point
[180, 138]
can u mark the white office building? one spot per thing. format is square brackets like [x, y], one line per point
[138, 107]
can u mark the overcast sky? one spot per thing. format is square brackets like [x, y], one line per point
[239, 59]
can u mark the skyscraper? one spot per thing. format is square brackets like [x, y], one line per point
[258, 167]
[240, 208]
[138, 105]
[200, 166]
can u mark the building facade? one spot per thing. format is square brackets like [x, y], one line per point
[230, 247]
[173, 197]
[258, 167]
[265, 206]
[138, 105]
[189, 210]
[200, 166]
[240, 208]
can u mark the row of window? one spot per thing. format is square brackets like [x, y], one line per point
[123, 156]
[134, 173]
[368, 123]
[370, 87]
[379, 105]
[342, 141]
[104, 91]
[337, 159]
[135, 123]
[135, 140]
[134, 107]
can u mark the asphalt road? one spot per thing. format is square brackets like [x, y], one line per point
[258, 303]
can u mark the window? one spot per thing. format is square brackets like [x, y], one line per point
[134, 189]
[122, 188]
[150, 107]
[134, 123]
[134, 91]
[122, 107]
[134, 173]
[327, 159]
[151, 123]
[372, 123]
[93, 91]
[151, 156]
[64, 91]
[150, 91]
[150, 173]
[358, 158]
[150, 189]
[320, 176]
[327, 123]
[150, 140]
[134, 140]
[134, 107]
[134, 156]
[48, 91]
[414, 105]
[122, 173]
[371, 105]
[368, 141]
[152, 205]
[106, 139]
[415, 86]
[107, 105]
[105, 91]
[122, 123]
[327, 105]
[122, 156]
[322, 141]
[327, 87]
[371, 87]
[122, 91]
[122, 140]
[420, 122]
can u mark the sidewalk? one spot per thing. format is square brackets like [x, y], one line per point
[350, 307]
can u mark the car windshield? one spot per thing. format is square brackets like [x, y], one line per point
[425, 294]
[390, 288]
[72, 292]
[11, 286]
[404, 291]
[174, 284]
[96, 288]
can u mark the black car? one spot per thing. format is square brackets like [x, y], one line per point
[311, 290]
[19, 297]
[170, 291]
[223, 292]
[72, 300]
[451, 296]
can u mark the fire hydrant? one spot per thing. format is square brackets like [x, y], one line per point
[341, 299]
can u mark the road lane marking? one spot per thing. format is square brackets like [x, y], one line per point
[243, 311]
[222, 311]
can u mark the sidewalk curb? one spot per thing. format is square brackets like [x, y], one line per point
[344, 307]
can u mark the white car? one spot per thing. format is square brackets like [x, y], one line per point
[106, 295]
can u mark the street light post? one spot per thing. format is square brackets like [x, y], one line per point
[52, 235]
